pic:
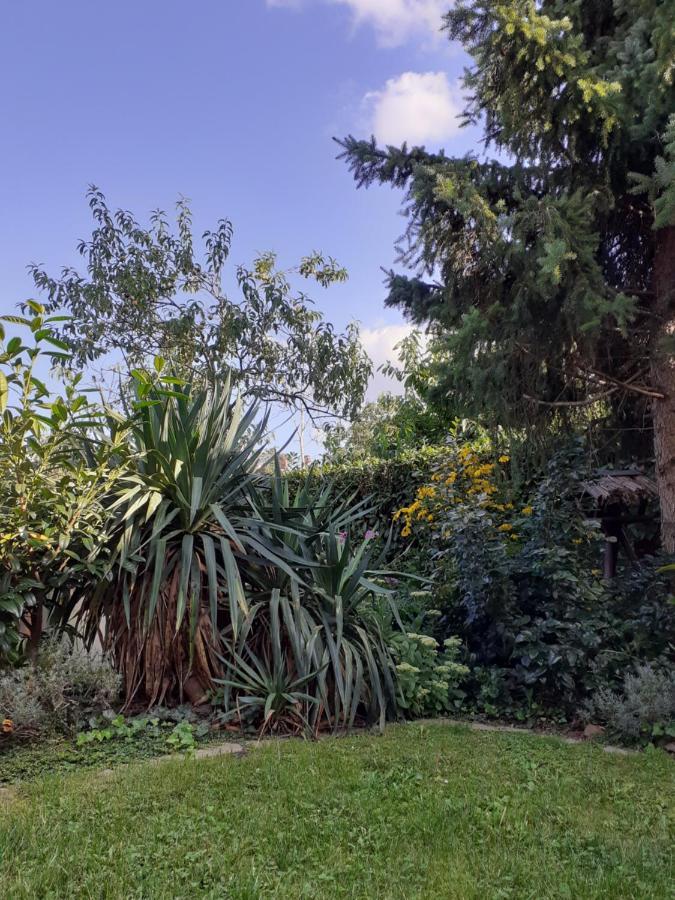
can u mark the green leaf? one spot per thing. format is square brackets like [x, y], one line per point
[235, 589]
[4, 393]
[211, 575]
[185, 567]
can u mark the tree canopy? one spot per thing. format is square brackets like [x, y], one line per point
[394, 423]
[147, 292]
[547, 274]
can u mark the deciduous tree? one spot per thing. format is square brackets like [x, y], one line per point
[147, 292]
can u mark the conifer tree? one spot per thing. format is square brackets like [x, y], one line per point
[548, 273]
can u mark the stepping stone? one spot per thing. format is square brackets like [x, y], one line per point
[226, 749]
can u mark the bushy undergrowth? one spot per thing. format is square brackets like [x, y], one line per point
[516, 575]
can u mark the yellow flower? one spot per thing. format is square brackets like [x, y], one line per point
[479, 471]
[505, 527]
[527, 510]
[504, 459]
[514, 537]
[451, 479]
[576, 541]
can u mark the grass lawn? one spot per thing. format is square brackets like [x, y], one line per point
[424, 811]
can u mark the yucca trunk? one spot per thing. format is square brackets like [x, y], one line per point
[159, 663]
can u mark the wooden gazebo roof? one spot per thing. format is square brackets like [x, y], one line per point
[620, 486]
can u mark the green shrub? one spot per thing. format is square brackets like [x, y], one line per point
[56, 469]
[428, 681]
[517, 577]
[60, 692]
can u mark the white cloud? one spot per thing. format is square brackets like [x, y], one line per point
[394, 21]
[379, 344]
[414, 107]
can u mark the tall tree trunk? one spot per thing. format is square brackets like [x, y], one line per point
[663, 378]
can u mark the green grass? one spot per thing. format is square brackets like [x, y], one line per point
[425, 811]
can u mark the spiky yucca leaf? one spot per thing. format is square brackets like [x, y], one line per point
[291, 520]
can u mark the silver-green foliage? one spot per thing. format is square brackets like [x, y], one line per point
[59, 692]
[645, 708]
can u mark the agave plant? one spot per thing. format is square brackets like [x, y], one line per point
[179, 544]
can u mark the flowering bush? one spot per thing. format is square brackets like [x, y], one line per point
[465, 479]
[428, 681]
[517, 577]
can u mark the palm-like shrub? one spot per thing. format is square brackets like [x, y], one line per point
[272, 666]
[316, 656]
[175, 579]
[291, 519]
[221, 578]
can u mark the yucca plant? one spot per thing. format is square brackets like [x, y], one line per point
[343, 590]
[179, 544]
[268, 687]
[323, 637]
[292, 519]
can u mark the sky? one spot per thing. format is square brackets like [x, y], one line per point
[232, 104]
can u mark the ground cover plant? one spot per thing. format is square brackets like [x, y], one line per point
[423, 811]
[106, 742]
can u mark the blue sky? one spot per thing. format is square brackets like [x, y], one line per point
[231, 103]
